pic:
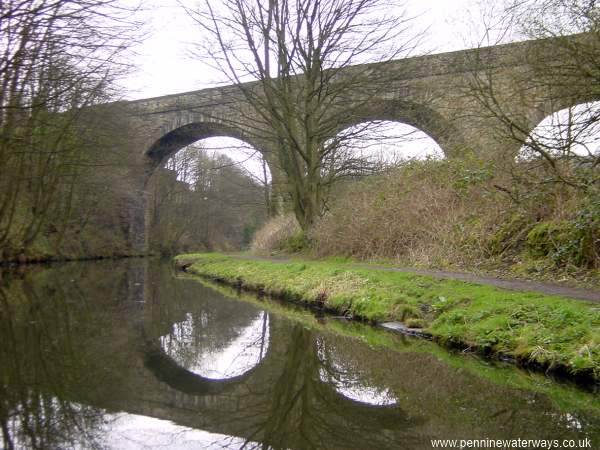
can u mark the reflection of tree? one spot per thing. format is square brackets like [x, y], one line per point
[41, 421]
[34, 410]
[215, 320]
[194, 322]
[314, 412]
[58, 337]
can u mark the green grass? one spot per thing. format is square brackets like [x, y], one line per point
[554, 332]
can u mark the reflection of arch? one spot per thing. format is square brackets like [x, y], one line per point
[167, 370]
[344, 382]
[185, 135]
[316, 415]
[282, 402]
[375, 416]
[432, 123]
[233, 357]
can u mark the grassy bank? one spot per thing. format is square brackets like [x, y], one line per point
[549, 331]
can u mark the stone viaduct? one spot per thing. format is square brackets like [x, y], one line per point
[446, 95]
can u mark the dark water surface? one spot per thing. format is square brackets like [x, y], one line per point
[124, 355]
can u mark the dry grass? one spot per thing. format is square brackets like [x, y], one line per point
[410, 213]
[276, 231]
[467, 214]
[449, 213]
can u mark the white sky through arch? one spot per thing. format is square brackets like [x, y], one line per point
[242, 154]
[388, 143]
[574, 130]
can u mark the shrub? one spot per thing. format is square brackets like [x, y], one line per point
[420, 212]
[510, 236]
[568, 242]
[278, 233]
[294, 243]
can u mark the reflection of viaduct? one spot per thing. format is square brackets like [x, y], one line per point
[107, 355]
[281, 402]
[431, 93]
[284, 401]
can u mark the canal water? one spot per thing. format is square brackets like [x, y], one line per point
[131, 355]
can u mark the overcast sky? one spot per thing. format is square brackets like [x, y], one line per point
[165, 66]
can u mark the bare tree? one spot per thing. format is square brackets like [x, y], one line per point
[247, 159]
[57, 58]
[562, 78]
[299, 53]
[204, 201]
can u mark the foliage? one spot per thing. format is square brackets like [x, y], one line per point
[509, 235]
[295, 243]
[548, 330]
[573, 242]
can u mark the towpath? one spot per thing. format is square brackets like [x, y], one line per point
[592, 295]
